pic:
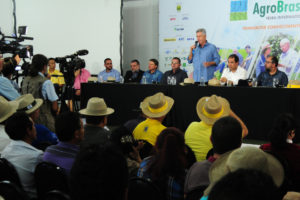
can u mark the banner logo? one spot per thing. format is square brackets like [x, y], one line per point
[238, 10]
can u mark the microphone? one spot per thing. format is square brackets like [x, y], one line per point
[196, 42]
[82, 52]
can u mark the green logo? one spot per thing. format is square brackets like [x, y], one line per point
[280, 7]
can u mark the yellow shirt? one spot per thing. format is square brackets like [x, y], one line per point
[197, 137]
[57, 80]
[148, 130]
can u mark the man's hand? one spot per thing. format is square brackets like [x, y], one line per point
[17, 58]
[193, 47]
[207, 64]
[77, 92]
[223, 79]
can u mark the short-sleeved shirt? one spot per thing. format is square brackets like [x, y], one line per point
[112, 73]
[7, 89]
[239, 74]
[197, 137]
[57, 77]
[265, 79]
[148, 130]
[153, 77]
[48, 90]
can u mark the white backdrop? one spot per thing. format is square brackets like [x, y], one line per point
[61, 27]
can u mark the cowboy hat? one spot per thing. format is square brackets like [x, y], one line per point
[157, 105]
[7, 108]
[28, 104]
[214, 82]
[187, 81]
[245, 158]
[210, 109]
[96, 107]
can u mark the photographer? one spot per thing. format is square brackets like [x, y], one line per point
[7, 90]
[8, 70]
[81, 76]
[41, 87]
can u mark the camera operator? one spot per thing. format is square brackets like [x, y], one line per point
[40, 87]
[81, 76]
[7, 89]
[8, 70]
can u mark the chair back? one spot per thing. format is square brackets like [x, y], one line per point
[140, 188]
[9, 173]
[10, 191]
[48, 177]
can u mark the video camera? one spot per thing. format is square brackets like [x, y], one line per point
[11, 44]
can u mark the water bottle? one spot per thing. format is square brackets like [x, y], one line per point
[144, 80]
[202, 82]
[100, 79]
[121, 79]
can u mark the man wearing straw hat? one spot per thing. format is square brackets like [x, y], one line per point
[156, 108]
[7, 109]
[31, 106]
[96, 114]
[209, 110]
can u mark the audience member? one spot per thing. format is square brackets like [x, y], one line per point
[96, 114]
[281, 144]
[153, 75]
[176, 72]
[99, 172]
[40, 87]
[70, 132]
[81, 76]
[132, 123]
[226, 136]
[44, 137]
[234, 72]
[7, 109]
[245, 158]
[24, 157]
[7, 90]
[167, 167]
[156, 108]
[209, 110]
[246, 184]
[108, 72]
[272, 73]
[135, 74]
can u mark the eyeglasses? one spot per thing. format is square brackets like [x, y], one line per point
[268, 62]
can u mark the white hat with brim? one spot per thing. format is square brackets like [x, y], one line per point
[28, 104]
[96, 107]
[214, 82]
[157, 105]
[7, 108]
[210, 109]
[245, 158]
[187, 81]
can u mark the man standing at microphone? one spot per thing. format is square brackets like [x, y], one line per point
[204, 57]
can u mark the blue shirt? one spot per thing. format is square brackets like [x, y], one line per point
[43, 134]
[207, 53]
[48, 90]
[265, 79]
[154, 77]
[113, 73]
[7, 90]
[260, 66]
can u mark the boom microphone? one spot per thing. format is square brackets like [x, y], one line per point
[82, 52]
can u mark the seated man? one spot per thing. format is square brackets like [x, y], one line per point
[108, 72]
[268, 77]
[70, 132]
[209, 109]
[7, 90]
[156, 108]
[176, 72]
[24, 157]
[234, 72]
[96, 114]
[153, 75]
[226, 136]
[135, 74]
[56, 77]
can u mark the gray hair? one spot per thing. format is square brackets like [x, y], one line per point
[201, 30]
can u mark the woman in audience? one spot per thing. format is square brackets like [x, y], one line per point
[167, 167]
[281, 145]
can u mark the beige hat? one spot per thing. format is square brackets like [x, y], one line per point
[188, 81]
[96, 107]
[92, 79]
[111, 79]
[7, 108]
[245, 158]
[214, 82]
[28, 104]
[157, 105]
[210, 109]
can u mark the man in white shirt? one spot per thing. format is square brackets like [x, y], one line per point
[234, 72]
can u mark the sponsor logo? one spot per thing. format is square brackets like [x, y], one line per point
[178, 29]
[279, 7]
[185, 18]
[181, 39]
[238, 10]
[172, 18]
[170, 40]
[190, 39]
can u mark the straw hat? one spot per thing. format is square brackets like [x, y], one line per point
[157, 105]
[111, 79]
[245, 158]
[96, 107]
[7, 108]
[293, 84]
[210, 109]
[28, 104]
[92, 79]
[187, 81]
[214, 82]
